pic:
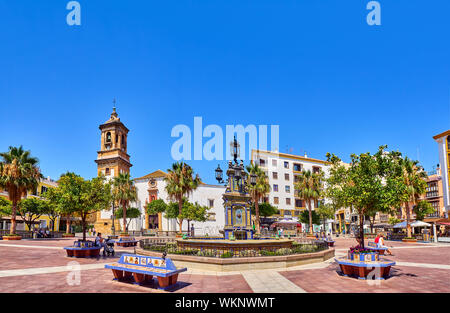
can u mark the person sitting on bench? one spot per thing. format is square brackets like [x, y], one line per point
[381, 244]
[99, 241]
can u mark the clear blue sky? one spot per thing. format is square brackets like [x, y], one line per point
[332, 83]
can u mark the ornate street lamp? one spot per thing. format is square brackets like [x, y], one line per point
[253, 179]
[219, 175]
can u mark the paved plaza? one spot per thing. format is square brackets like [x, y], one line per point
[42, 266]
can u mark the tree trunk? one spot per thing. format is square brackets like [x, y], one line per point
[68, 224]
[13, 217]
[408, 220]
[361, 229]
[125, 218]
[311, 230]
[258, 230]
[180, 210]
[83, 222]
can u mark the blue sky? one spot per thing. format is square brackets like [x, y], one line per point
[332, 82]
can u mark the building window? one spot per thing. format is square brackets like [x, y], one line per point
[287, 189]
[275, 200]
[262, 162]
[287, 212]
[211, 203]
[275, 188]
[286, 176]
[296, 179]
[107, 171]
[299, 203]
[108, 137]
[316, 169]
[286, 164]
[275, 175]
[274, 163]
[297, 167]
[288, 201]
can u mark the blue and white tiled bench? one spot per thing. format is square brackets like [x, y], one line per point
[364, 270]
[126, 242]
[143, 268]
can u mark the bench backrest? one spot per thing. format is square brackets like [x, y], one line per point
[83, 244]
[147, 261]
[372, 244]
[126, 239]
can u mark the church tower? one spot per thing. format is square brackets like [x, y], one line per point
[112, 159]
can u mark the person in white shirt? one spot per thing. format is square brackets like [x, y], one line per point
[382, 244]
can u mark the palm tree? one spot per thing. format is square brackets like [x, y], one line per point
[259, 190]
[414, 181]
[18, 174]
[309, 187]
[124, 191]
[180, 182]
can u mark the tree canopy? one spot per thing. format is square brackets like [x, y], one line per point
[369, 184]
[266, 209]
[180, 182]
[19, 173]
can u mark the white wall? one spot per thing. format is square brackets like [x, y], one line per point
[200, 195]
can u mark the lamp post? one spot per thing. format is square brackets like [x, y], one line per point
[113, 228]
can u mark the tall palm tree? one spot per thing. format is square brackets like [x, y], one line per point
[414, 180]
[180, 182]
[309, 187]
[124, 191]
[19, 172]
[259, 190]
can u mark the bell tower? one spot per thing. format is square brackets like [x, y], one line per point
[112, 159]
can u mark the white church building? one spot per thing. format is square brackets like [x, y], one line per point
[152, 187]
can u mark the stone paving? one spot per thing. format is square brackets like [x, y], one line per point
[42, 266]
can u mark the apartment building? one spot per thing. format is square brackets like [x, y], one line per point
[282, 170]
[443, 140]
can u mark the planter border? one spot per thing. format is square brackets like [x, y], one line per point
[236, 264]
[12, 237]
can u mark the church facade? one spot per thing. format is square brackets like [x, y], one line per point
[113, 159]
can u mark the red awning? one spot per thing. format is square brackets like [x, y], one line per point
[443, 223]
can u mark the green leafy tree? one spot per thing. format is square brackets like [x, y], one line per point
[156, 206]
[75, 196]
[124, 191]
[180, 182]
[194, 212]
[309, 218]
[67, 196]
[96, 196]
[325, 211]
[30, 209]
[19, 173]
[422, 209]
[5, 207]
[131, 214]
[394, 220]
[265, 209]
[51, 210]
[172, 210]
[309, 187]
[368, 185]
[257, 191]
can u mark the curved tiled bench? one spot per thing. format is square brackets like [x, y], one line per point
[363, 269]
[81, 249]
